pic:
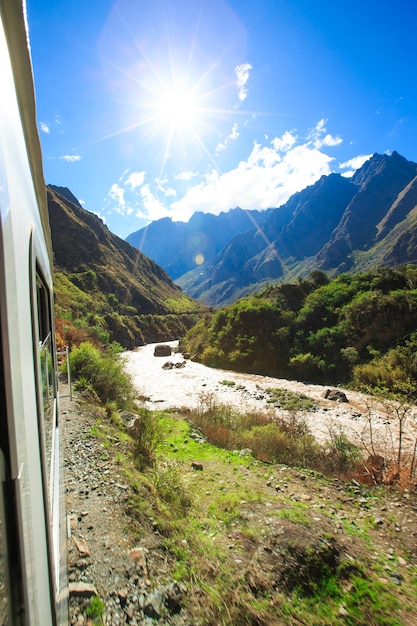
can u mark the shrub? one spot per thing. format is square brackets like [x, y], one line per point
[104, 372]
[146, 439]
[268, 443]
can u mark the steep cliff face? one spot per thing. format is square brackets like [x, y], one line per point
[122, 284]
[381, 181]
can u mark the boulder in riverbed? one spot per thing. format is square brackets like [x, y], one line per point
[162, 350]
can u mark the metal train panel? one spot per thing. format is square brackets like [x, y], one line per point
[29, 428]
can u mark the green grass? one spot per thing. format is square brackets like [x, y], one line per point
[296, 514]
[289, 401]
[216, 527]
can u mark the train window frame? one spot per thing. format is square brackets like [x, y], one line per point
[44, 355]
[46, 383]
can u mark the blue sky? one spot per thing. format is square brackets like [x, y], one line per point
[154, 108]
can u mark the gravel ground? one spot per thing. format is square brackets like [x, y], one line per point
[104, 557]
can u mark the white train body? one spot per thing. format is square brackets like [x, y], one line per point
[32, 520]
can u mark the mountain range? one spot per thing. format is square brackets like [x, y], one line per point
[337, 225]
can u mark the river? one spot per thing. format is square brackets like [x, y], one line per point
[195, 385]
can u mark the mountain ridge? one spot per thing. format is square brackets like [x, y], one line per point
[338, 224]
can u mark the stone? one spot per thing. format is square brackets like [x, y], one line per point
[82, 589]
[172, 597]
[134, 427]
[162, 350]
[197, 465]
[153, 605]
[335, 395]
[82, 547]
[137, 555]
[122, 595]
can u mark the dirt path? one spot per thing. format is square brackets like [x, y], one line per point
[194, 384]
[105, 556]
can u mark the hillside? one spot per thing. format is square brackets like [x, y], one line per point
[107, 288]
[338, 224]
[356, 327]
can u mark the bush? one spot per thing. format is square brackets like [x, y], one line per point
[268, 443]
[146, 439]
[103, 372]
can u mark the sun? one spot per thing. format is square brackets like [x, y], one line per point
[177, 108]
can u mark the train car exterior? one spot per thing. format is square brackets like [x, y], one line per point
[33, 586]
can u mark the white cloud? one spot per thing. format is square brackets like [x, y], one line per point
[44, 127]
[242, 76]
[329, 140]
[136, 179]
[233, 135]
[316, 138]
[70, 158]
[355, 163]
[284, 143]
[161, 186]
[117, 193]
[154, 209]
[267, 178]
[188, 175]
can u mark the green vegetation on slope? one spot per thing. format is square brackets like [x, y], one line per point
[359, 327]
[262, 544]
[106, 290]
[85, 312]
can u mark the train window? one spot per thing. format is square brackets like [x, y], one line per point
[47, 369]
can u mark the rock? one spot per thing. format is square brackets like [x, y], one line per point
[82, 589]
[82, 547]
[127, 417]
[376, 466]
[172, 597]
[162, 350]
[245, 452]
[336, 395]
[134, 427]
[342, 612]
[187, 355]
[137, 555]
[153, 605]
[197, 465]
[168, 365]
[122, 595]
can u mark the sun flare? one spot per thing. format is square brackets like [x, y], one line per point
[177, 108]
